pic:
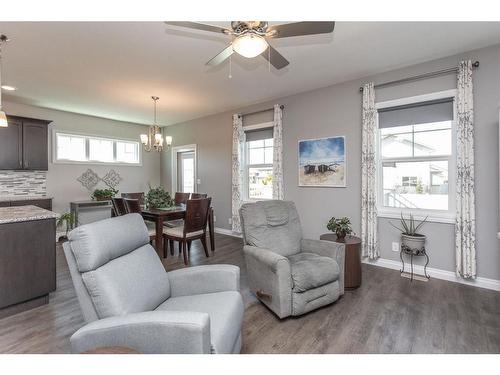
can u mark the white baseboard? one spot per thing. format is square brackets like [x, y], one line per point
[480, 282]
[227, 232]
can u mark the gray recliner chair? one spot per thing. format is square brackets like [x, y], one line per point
[128, 299]
[289, 274]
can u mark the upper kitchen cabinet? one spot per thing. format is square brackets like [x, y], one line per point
[24, 144]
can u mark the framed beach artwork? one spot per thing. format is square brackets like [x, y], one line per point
[322, 162]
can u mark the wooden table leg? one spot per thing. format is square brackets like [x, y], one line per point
[159, 236]
[211, 229]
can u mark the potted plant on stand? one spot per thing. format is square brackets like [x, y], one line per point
[410, 239]
[341, 227]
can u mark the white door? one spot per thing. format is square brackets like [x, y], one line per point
[185, 171]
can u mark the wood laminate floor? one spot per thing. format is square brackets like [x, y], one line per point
[387, 314]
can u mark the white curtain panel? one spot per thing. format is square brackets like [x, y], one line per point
[278, 192]
[465, 226]
[237, 171]
[369, 237]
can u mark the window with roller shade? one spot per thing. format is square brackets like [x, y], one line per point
[259, 164]
[416, 161]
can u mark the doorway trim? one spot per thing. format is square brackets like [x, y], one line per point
[175, 152]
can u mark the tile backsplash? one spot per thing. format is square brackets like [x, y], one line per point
[23, 183]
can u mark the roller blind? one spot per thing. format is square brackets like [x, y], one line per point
[416, 113]
[258, 117]
[259, 134]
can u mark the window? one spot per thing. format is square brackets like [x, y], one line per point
[416, 160]
[76, 148]
[259, 164]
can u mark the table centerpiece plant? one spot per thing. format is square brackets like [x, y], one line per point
[341, 227]
[409, 237]
[158, 198]
[103, 194]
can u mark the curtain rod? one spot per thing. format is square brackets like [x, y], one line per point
[264, 110]
[475, 64]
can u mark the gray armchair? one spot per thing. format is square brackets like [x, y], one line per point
[128, 299]
[289, 274]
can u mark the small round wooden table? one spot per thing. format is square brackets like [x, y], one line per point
[352, 264]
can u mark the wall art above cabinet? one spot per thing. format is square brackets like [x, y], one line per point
[24, 144]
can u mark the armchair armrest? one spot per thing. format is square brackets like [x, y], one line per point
[329, 249]
[204, 279]
[269, 276]
[153, 332]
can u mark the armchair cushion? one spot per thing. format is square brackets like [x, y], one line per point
[272, 225]
[135, 282]
[225, 310]
[310, 271]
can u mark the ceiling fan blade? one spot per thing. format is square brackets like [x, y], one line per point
[221, 56]
[300, 28]
[200, 26]
[277, 59]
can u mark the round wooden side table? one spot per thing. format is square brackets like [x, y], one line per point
[352, 265]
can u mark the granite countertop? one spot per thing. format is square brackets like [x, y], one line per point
[10, 198]
[24, 213]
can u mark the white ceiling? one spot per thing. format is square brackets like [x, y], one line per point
[111, 69]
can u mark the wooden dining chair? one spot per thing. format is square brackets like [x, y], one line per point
[180, 198]
[119, 206]
[194, 228]
[133, 206]
[198, 195]
[138, 196]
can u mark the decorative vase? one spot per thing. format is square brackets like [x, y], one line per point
[415, 243]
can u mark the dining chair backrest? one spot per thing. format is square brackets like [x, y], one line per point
[198, 195]
[132, 205]
[181, 198]
[196, 214]
[119, 206]
[139, 196]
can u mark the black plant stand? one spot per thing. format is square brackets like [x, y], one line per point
[413, 252]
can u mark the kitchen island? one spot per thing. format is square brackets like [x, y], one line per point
[27, 257]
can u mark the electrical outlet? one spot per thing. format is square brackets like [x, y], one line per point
[395, 246]
[198, 181]
[229, 221]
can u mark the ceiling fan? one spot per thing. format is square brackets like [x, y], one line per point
[250, 38]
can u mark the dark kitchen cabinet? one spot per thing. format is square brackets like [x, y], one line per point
[24, 144]
[11, 144]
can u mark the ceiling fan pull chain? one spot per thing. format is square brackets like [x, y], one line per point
[230, 67]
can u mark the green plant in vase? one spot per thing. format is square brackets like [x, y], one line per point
[341, 227]
[103, 194]
[158, 198]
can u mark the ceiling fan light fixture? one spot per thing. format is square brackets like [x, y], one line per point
[249, 45]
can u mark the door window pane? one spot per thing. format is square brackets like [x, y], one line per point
[422, 185]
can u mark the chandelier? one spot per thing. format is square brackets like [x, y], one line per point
[154, 138]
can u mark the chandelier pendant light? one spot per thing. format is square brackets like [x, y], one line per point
[154, 139]
[3, 116]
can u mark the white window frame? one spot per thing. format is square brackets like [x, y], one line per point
[440, 216]
[247, 166]
[87, 136]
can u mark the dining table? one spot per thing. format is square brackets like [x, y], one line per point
[161, 215]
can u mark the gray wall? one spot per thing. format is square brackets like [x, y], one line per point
[335, 110]
[61, 178]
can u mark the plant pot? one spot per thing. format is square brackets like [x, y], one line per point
[414, 243]
[102, 199]
[340, 235]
